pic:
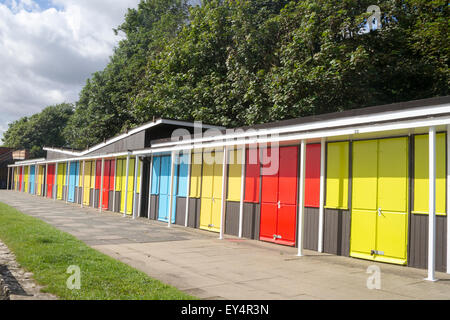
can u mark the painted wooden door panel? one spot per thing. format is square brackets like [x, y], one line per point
[286, 224]
[252, 176]
[380, 200]
[20, 178]
[205, 214]
[50, 180]
[106, 184]
[337, 174]
[130, 187]
[32, 179]
[26, 179]
[196, 176]
[183, 168]
[87, 182]
[234, 175]
[312, 176]
[287, 183]
[421, 174]
[72, 181]
[269, 217]
[392, 200]
[156, 170]
[279, 198]
[211, 193]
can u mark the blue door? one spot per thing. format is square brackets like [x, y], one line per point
[161, 186]
[72, 181]
[181, 170]
[32, 179]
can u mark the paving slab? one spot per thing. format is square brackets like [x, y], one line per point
[197, 262]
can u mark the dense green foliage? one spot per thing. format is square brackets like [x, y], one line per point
[241, 62]
[47, 253]
[39, 130]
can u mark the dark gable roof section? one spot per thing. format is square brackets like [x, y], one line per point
[423, 103]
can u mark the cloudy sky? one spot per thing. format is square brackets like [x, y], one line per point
[48, 48]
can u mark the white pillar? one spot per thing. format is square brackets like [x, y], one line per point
[115, 181]
[322, 194]
[126, 185]
[140, 186]
[136, 164]
[172, 174]
[55, 187]
[432, 204]
[100, 204]
[301, 198]
[448, 198]
[46, 180]
[188, 187]
[224, 191]
[150, 187]
[241, 203]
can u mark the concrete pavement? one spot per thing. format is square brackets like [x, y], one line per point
[196, 262]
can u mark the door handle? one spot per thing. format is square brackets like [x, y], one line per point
[379, 212]
[279, 204]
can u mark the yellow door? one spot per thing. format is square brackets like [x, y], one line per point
[26, 179]
[87, 182]
[380, 200]
[130, 187]
[206, 196]
[211, 202]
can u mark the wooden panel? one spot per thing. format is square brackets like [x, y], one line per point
[312, 176]
[421, 174]
[251, 221]
[336, 239]
[418, 242]
[337, 175]
[311, 229]
[232, 218]
[180, 210]
[194, 213]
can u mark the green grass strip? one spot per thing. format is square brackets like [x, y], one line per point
[48, 252]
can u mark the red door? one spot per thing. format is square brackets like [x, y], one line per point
[20, 178]
[279, 198]
[106, 179]
[50, 180]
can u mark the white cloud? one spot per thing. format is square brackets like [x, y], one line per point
[46, 55]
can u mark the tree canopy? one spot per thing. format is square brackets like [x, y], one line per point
[242, 62]
[39, 130]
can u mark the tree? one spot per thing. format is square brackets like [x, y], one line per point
[42, 129]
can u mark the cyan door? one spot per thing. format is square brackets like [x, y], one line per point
[72, 181]
[32, 179]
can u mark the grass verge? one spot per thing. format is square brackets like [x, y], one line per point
[48, 252]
